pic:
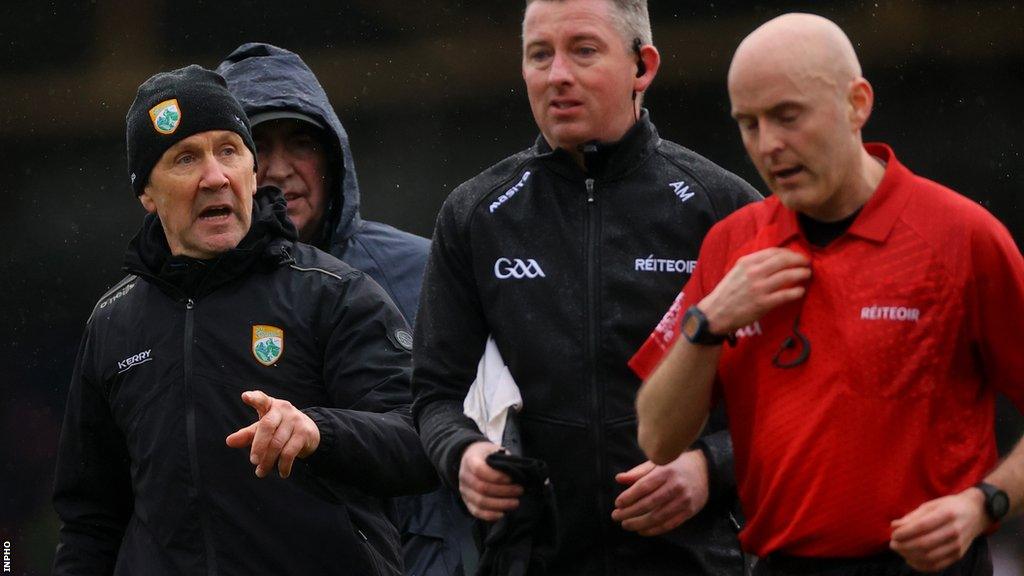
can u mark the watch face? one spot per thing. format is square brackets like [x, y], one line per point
[1000, 504]
[691, 323]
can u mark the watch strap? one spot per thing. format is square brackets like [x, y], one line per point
[992, 494]
[702, 335]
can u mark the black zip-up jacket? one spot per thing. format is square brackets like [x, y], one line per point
[267, 78]
[145, 483]
[569, 270]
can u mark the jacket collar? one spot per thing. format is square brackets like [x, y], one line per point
[604, 160]
[876, 219]
[266, 245]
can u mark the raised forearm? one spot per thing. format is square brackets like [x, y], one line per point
[673, 403]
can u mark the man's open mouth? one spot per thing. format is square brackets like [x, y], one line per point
[215, 212]
[787, 172]
[564, 104]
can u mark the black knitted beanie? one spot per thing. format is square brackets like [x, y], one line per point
[172, 106]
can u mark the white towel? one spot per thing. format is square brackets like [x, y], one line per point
[492, 394]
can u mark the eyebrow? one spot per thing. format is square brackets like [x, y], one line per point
[585, 37]
[773, 111]
[536, 43]
[183, 146]
[581, 37]
[784, 106]
[229, 138]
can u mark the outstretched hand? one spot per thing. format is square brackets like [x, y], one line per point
[280, 434]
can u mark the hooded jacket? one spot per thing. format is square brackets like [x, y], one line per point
[145, 483]
[568, 269]
[266, 78]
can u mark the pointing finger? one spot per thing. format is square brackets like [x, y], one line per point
[258, 400]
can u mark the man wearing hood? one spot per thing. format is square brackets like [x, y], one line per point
[304, 150]
[230, 335]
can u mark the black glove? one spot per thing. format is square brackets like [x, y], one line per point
[525, 539]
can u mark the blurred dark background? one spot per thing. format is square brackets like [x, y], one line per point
[430, 93]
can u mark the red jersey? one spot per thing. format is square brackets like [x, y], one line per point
[914, 317]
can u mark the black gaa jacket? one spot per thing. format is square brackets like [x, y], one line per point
[569, 270]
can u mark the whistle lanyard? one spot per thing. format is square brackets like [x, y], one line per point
[795, 348]
[786, 356]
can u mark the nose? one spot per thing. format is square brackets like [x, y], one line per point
[769, 140]
[274, 168]
[561, 69]
[213, 177]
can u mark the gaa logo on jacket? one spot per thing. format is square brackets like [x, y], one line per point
[505, 268]
[267, 344]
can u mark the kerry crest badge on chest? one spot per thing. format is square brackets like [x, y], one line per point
[267, 344]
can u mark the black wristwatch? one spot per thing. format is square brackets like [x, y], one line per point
[696, 329]
[997, 503]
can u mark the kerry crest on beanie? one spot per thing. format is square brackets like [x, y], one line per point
[171, 106]
[165, 116]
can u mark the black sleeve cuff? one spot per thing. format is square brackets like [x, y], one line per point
[328, 439]
[717, 449]
[446, 432]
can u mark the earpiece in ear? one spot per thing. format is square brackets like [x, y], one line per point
[641, 68]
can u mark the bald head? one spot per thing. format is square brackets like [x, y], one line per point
[800, 102]
[804, 46]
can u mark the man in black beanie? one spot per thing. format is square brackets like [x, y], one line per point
[225, 314]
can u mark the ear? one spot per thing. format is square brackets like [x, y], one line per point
[254, 183]
[861, 99]
[147, 201]
[652, 61]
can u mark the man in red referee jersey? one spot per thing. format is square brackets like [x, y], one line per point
[871, 317]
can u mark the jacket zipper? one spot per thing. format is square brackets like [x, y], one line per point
[597, 394]
[190, 432]
[377, 568]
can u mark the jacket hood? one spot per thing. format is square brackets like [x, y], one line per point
[267, 241]
[266, 78]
